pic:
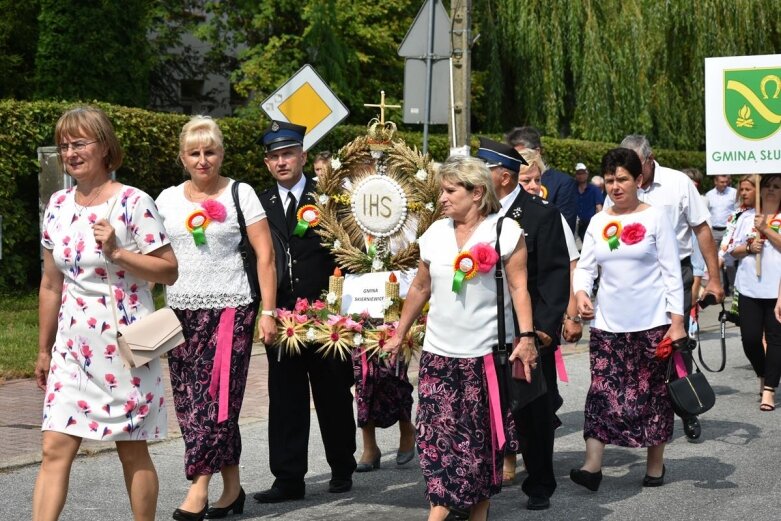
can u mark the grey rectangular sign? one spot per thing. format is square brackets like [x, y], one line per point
[415, 91]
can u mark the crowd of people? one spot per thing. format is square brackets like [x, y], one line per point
[106, 244]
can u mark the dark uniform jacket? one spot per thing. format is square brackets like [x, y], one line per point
[303, 264]
[547, 262]
[561, 191]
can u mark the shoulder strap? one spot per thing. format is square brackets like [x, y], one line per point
[239, 213]
[108, 273]
[723, 327]
[499, 276]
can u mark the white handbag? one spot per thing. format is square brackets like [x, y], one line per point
[149, 337]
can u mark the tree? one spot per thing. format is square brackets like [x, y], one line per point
[18, 42]
[600, 69]
[93, 50]
[352, 45]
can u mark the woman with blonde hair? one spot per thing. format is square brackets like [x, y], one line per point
[459, 439]
[217, 306]
[102, 242]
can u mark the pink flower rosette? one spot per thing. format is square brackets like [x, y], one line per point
[632, 233]
[485, 255]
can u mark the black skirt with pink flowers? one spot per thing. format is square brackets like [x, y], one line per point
[461, 463]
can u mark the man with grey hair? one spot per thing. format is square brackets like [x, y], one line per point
[558, 188]
[674, 193]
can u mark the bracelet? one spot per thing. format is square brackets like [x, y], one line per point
[576, 319]
[527, 334]
[269, 313]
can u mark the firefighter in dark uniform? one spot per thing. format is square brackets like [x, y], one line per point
[548, 283]
[304, 266]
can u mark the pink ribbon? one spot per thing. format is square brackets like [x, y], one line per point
[364, 368]
[561, 370]
[680, 367]
[494, 409]
[221, 370]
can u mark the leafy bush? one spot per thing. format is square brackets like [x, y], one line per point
[151, 143]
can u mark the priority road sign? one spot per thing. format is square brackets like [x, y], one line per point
[305, 99]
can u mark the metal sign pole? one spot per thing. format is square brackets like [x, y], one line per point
[429, 66]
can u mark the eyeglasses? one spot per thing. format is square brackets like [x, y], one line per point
[77, 146]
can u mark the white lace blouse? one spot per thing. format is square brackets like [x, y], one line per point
[211, 276]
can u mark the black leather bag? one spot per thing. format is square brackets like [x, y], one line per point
[514, 390]
[245, 248]
[691, 395]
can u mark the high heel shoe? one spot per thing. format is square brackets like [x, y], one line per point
[584, 478]
[402, 458]
[184, 515]
[368, 467]
[767, 407]
[237, 506]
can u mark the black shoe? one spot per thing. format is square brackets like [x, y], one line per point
[584, 478]
[184, 515]
[457, 514]
[692, 428]
[368, 467]
[237, 507]
[658, 481]
[538, 503]
[277, 495]
[340, 486]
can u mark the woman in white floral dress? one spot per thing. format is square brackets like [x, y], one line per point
[98, 237]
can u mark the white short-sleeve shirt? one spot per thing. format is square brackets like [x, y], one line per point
[464, 324]
[211, 276]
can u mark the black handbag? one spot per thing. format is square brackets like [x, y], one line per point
[515, 393]
[691, 395]
[245, 248]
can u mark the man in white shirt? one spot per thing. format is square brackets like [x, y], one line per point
[722, 202]
[675, 193]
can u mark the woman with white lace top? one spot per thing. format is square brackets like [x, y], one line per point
[214, 302]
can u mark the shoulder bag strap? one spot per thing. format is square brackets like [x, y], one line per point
[239, 213]
[108, 273]
[723, 327]
[501, 348]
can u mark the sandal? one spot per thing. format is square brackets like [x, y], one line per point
[768, 407]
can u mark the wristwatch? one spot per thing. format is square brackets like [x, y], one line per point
[269, 313]
[575, 319]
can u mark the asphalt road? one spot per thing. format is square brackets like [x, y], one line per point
[732, 474]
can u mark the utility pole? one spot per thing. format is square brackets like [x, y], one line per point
[459, 127]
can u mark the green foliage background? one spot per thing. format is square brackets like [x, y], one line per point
[602, 69]
[150, 142]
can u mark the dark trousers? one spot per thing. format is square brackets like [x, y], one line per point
[288, 386]
[757, 318]
[536, 425]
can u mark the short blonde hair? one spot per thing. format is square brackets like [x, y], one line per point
[200, 131]
[532, 158]
[471, 172]
[92, 123]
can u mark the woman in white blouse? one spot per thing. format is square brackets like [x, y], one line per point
[214, 302]
[639, 303]
[758, 234]
[460, 443]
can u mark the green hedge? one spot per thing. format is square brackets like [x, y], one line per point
[150, 142]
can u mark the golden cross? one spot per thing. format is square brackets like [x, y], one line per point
[382, 106]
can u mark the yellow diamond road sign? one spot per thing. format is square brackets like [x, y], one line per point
[306, 100]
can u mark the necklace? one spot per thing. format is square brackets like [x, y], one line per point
[468, 234]
[189, 192]
[80, 208]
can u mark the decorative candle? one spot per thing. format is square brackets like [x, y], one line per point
[392, 293]
[335, 288]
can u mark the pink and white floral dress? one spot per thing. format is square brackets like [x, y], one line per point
[90, 393]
